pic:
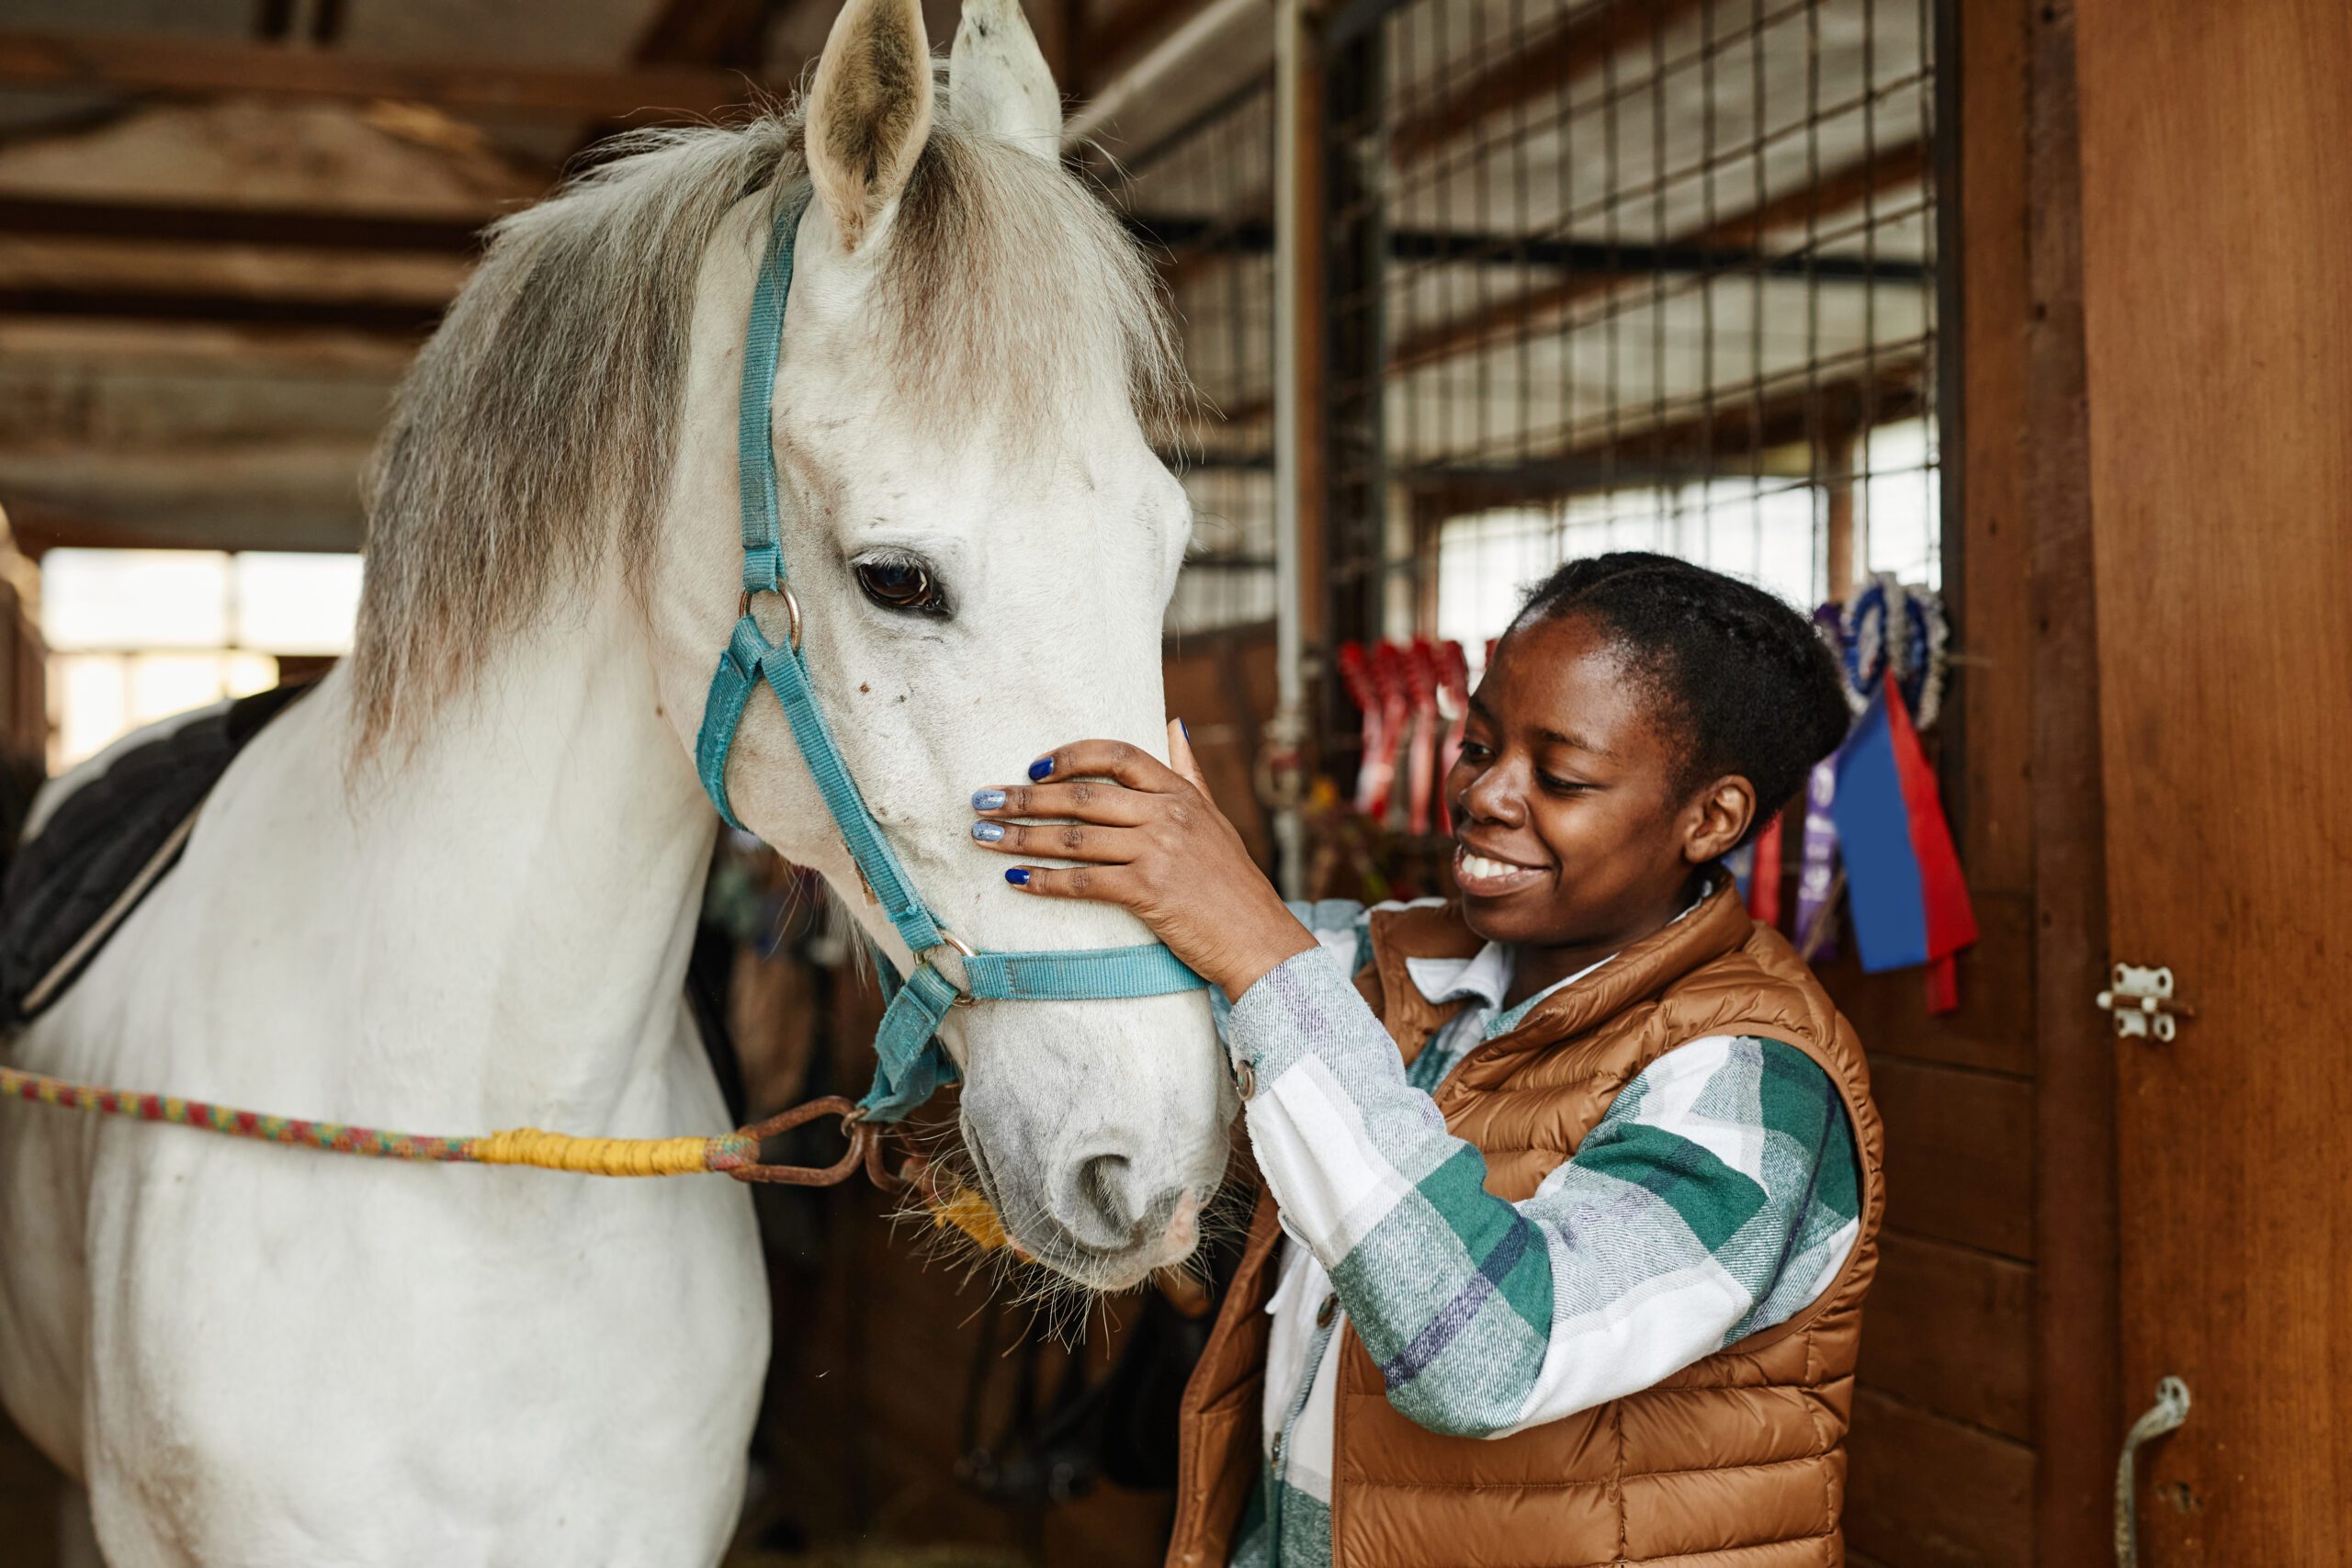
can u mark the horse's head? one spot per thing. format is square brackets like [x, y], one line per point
[982, 542]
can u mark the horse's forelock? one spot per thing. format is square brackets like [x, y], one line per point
[543, 415]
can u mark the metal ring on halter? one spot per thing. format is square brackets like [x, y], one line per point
[963, 997]
[791, 609]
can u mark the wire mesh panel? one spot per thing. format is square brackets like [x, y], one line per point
[1627, 274]
[1202, 198]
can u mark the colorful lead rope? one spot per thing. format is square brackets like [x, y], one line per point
[521, 1146]
[735, 1153]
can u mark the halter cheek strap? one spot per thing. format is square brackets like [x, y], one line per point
[910, 1066]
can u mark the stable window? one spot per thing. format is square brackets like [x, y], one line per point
[136, 636]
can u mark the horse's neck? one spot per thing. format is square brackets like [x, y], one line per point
[538, 863]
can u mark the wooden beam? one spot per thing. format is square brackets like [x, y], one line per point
[80, 346]
[1471, 247]
[285, 227]
[327, 229]
[133, 62]
[1551, 63]
[1734, 426]
[1548, 63]
[1115, 38]
[729, 33]
[39, 528]
[1884, 171]
[705, 32]
[1730, 431]
[395, 318]
[1731, 245]
[318, 229]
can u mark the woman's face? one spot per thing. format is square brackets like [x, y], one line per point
[1571, 831]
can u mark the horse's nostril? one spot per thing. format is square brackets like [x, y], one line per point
[1098, 1204]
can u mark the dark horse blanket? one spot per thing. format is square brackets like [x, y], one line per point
[72, 885]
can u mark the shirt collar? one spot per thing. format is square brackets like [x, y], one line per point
[1485, 976]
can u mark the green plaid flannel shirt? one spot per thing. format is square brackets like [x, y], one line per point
[1719, 1195]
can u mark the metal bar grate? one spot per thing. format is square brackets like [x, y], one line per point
[1204, 200]
[1629, 273]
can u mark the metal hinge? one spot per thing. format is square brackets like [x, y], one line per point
[2142, 1002]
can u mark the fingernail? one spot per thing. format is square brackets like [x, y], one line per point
[1040, 769]
[1018, 877]
[988, 800]
[987, 832]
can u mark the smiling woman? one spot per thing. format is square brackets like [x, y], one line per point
[1621, 1091]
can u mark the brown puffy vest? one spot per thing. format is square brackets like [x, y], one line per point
[1738, 1462]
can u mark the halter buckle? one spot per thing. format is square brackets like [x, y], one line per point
[963, 997]
[791, 609]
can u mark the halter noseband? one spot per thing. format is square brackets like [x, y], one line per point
[911, 1064]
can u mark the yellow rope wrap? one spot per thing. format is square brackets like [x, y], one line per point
[594, 1156]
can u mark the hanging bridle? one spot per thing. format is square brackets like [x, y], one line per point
[910, 1063]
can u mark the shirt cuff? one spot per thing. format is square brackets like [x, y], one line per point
[1306, 1004]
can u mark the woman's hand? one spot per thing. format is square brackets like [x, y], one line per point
[1149, 841]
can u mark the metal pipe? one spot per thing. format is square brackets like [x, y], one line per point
[1195, 35]
[1287, 734]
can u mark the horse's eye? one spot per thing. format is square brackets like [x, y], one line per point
[900, 585]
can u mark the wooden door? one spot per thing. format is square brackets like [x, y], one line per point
[2217, 280]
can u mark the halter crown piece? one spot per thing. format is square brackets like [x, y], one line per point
[910, 1063]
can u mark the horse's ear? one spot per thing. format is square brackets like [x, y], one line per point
[869, 111]
[997, 79]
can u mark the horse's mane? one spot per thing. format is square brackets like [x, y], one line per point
[545, 409]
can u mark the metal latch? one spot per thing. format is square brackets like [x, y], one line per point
[2142, 1002]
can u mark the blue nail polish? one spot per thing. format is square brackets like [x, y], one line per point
[1040, 768]
[987, 832]
[1187, 729]
[1018, 877]
[988, 800]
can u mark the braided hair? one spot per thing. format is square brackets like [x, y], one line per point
[1744, 677]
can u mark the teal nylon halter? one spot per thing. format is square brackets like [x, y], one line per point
[910, 1063]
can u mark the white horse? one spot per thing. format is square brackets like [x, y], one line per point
[453, 889]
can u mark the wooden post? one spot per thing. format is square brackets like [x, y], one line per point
[1837, 470]
[2078, 1309]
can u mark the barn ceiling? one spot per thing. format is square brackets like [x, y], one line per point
[225, 224]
